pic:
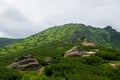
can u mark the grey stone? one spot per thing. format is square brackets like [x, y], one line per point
[74, 52]
[25, 63]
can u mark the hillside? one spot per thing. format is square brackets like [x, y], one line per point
[53, 43]
[69, 33]
[7, 41]
[96, 67]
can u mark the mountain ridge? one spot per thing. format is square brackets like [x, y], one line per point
[68, 32]
[53, 43]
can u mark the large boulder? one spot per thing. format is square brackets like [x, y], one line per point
[25, 63]
[74, 52]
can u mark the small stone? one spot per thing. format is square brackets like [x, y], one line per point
[48, 59]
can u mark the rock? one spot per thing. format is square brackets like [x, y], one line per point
[114, 64]
[23, 57]
[88, 53]
[74, 52]
[48, 59]
[77, 51]
[86, 42]
[25, 63]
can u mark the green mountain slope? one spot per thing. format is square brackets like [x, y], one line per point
[54, 42]
[6, 41]
[68, 33]
[95, 67]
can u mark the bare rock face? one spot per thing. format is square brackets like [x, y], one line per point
[74, 52]
[88, 53]
[77, 51]
[86, 42]
[25, 63]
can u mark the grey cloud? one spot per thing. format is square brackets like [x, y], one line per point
[26, 17]
[14, 23]
[14, 15]
[91, 12]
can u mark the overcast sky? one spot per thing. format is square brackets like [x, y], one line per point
[21, 18]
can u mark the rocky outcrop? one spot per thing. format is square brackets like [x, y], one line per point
[88, 53]
[74, 52]
[25, 63]
[86, 42]
[77, 51]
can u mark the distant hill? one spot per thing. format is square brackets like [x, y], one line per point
[69, 33]
[7, 41]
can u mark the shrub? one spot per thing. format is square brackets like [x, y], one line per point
[48, 71]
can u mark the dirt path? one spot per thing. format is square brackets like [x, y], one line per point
[41, 70]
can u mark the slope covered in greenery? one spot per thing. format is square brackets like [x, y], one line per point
[54, 42]
[68, 32]
[96, 67]
[7, 41]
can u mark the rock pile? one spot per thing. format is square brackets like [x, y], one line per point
[25, 63]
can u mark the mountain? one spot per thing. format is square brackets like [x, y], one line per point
[68, 33]
[97, 67]
[7, 41]
[53, 44]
